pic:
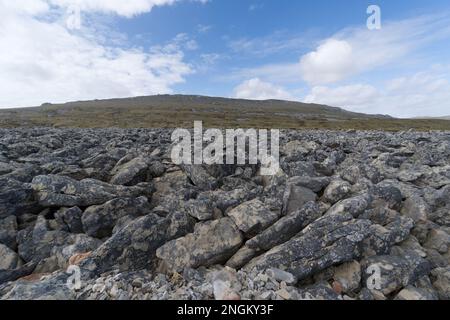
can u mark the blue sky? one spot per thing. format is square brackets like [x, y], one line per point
[313, 51]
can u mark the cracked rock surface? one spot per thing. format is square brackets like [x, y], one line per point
[349, 215]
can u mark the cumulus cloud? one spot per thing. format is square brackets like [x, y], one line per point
[425, 93]
[255, 89]
[42, 61]
[344, 96]
[357, 50]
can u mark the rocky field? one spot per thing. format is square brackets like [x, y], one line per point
[351, 215]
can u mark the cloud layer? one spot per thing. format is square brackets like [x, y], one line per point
[42, 60]
[255, 89]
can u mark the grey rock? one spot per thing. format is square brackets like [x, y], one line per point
[132, 172]
[8, 232]
[99, 221]
[329, 241]
[252, 217]
[58, 191]
[441, 282]
[315, 184]
[211, 243]
[70, 219]
[285, 228]
[336, 190]
[296, 197]
[411, 293]
[9, 258]
[355, 205]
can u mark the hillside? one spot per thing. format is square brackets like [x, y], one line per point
[171, 111]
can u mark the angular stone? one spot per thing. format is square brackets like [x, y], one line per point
[336, 190]
[285, 228]
[296, 197]
[441, 282]
[315, 184]
[211, 243]
[9, 259]
[132, 172]
[70, 219]
[59, 191]
[99, 221]
[8, 232]
[330, 240]
[355, 205]
[416, 208]
[411, 293]
[252, 217]
[134, 247]
[349, 276]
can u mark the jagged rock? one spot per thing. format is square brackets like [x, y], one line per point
[16, 198]
[13, 275]
[9, 259]
[50, 288]
[315, 184]
[296, 149]
[211, 243]
[132, 172]
[242, 257]
[388, 274]
[355, 206]
[441, 282]
[226, 286]
[348, 275]
[296, 197]
[416, 208]
[336, 190]
[381, 238]
[134, 247]
[58, 191]
[438, 240]
[330, 240]
[39, 242]
[99, 221]
[201, 209]
[69, 219]
[281, 276]
[200, 177]
[413, 293]
[8, 232]
[319, 291]
[252, 217]
[285, 228]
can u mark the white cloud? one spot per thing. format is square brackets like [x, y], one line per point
[351, 52]
[128, 8]
[42, 61]
[345, 96]
[329, 63]
[357, 50]
[422, 94]
[255, 89]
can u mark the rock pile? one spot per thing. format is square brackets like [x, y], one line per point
[105, 214]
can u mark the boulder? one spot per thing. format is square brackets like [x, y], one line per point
[252, 217]
[8, 232]
[59, 191]
[329, 241]
[211, 243]
[336, 190]
[99, 221]
[9, 259]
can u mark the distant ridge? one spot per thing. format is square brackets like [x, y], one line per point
[173, 111]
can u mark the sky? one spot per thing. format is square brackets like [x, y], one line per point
[321, 51]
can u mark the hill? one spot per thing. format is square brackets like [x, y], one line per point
[170, 111]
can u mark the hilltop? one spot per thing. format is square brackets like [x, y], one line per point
[170, 111]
